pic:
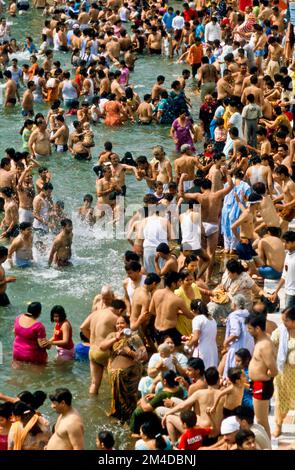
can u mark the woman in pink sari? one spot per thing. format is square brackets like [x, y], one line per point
[30, 337]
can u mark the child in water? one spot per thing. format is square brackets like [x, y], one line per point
[105, 440]
[86, 211]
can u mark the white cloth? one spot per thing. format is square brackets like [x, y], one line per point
[212, 32]
[283, 348]
[178, 22]
[289, 273]
[207, 347]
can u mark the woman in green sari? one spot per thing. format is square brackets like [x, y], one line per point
[127, 352]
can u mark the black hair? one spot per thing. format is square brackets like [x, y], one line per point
[201, 307]
[151, 278]
[134, 266]
[106, 438]
[212, 376]
[246, 413]
[131, 256]
[234, 374]
[118, 304]
[60, 311]
[256, 320]
[290, 313]
[234, 266]
[189, 418]
[152, 429]
[282, 170]
[170, 377]
[62, 394]
[65, 222]
[243, 435]
[196, 363]
[245, 355]
[289, 236]
[24, 225]
[163, 248]
[47, 186]
[3, 251]
[34, 309]
[171, 278]
[6, 410]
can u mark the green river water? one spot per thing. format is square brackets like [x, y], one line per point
[95, 262]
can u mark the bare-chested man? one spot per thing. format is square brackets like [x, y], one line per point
[97, 326]
[69, 428]
[200, 401]
[269, 215]
[26, 194]
[28, 100]
[106, 186]
[44, 177]
[145, 110]
[61, 250]
[11, 91]
[186, 165]
[158, 87]
[9, 224]
[262, 369]
[258, 173]
[275, 53]
[167, 306]
[288, 197]
[271, 253]
[4, 280]
[161, 167]
[224, 85]
[260, 40]
[60, 135]
[211, 204]
[116, 88]
[104, 299]
[41, 209]
[113, 49]
[119, 170]
[253, 89]
[239, 78]
[247, 235]
[154, 41]
[215, 174]
[22, 247]
[140, 318]
[39, 141]
[7, 177]
[207, 78]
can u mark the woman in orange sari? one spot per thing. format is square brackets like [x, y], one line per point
[114, 111]
[30, 431]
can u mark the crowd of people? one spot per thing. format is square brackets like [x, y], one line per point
[192, 359]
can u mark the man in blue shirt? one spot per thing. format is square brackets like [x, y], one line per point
[168, 18]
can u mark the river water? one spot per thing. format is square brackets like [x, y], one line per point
[95, 261]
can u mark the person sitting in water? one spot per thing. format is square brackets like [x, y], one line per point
[22, 247]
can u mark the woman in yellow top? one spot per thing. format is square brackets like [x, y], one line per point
[188, 291]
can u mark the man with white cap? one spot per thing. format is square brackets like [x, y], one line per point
[229, 430]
